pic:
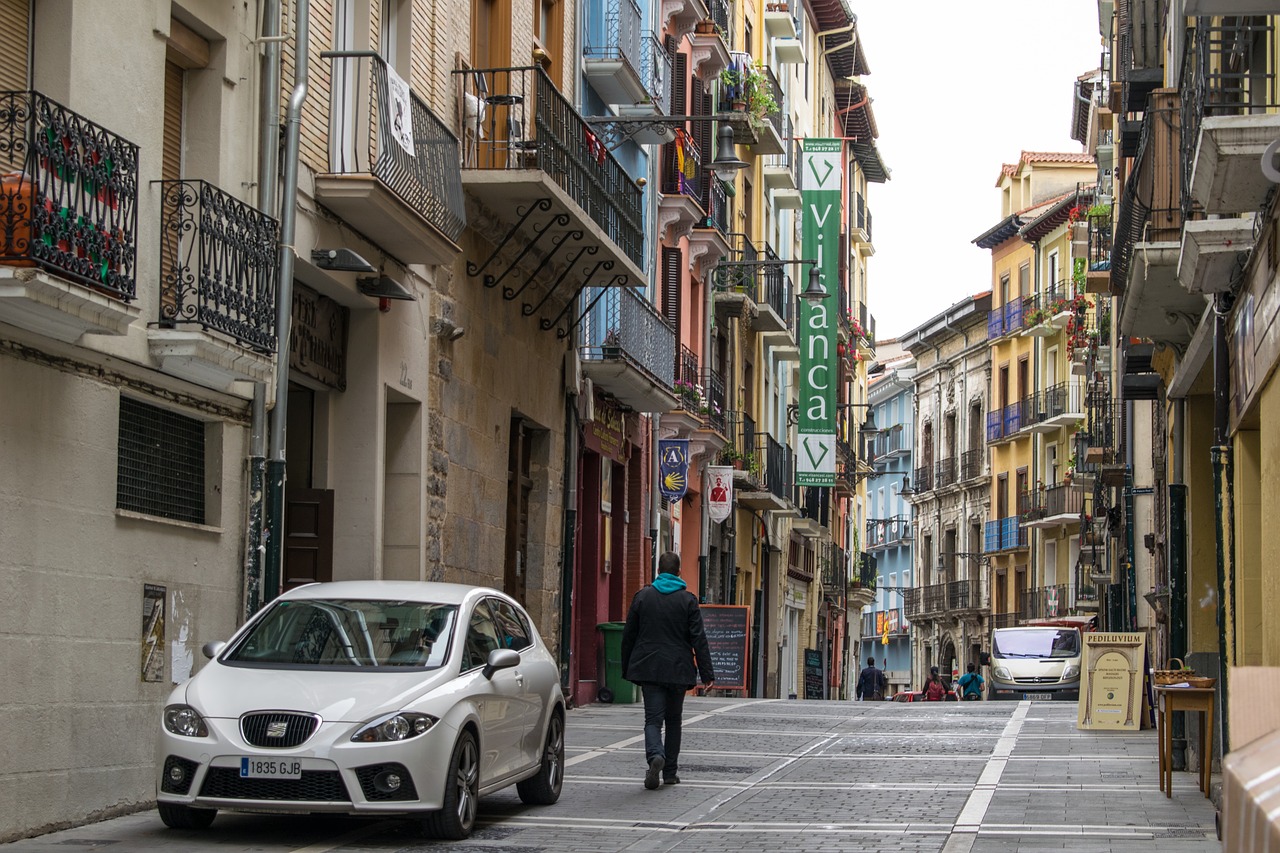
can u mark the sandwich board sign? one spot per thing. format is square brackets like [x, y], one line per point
[1111, 681]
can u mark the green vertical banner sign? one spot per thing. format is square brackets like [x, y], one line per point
[822, 170]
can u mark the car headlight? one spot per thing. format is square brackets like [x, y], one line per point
[399, 726]
[1001, 673]
[1069, 671]
[185, 720]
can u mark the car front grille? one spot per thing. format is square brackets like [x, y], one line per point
[366, 775]
[188, 773]
[1039, 679]
[278, 729]
[314, 786]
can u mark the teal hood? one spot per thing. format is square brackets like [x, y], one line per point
[668, 584]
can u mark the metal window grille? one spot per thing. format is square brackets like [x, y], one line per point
[160, 467]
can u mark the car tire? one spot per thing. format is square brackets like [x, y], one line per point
[177, 816]
[457, 815]
[605, 695]
[543, 789]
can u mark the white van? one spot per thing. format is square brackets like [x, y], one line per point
[1035, 662]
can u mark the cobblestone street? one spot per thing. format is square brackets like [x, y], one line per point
[773, 775]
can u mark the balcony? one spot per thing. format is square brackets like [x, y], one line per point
[1054, 602]
[922, 478]
[529, 157]
[1230, 96]
[995, 426]
[862, 586]
[1211, 251]
[1147, 234]
[710, 52]
[1057, 407]
[766, 293]
[846, 468]
[893, 443]
[1053, 506]
[880, 622]
[780, 20]
[398, 184]
[629, 351]
[781, 172]
[995, 323]
[953, 598]
[612, 61]
[680, 203]
[752, 102]
[218, 263]
[69, 213]
[860, 233]
[944, 473]
[768, 486]
[888, 532]
[971, 464]
[814, 503]
[1012, 419]
[655, 77]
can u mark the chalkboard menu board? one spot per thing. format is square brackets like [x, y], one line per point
[812, 674]
[728, 628]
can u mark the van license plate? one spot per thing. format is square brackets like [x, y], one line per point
[1037, 696]
[261, 768]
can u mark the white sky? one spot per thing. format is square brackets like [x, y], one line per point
[957, 90]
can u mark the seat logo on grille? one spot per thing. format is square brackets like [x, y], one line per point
[277, 729]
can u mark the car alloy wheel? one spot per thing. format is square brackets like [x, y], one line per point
[457, 815]
[543, 789]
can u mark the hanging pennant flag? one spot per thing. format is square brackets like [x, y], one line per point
[720, 489]
[673, 467]
[400, 107]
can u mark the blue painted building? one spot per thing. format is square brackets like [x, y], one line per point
[887, 531]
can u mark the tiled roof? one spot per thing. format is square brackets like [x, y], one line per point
[1008, 169]
[1055, 214]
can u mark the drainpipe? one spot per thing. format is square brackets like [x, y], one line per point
[268, 132]
[568, 547]
[704, 532]
[1224, 498]
[284, 305]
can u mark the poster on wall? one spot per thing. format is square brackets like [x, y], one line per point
[153, 597]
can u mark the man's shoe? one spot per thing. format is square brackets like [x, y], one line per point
[671, 780]
[655, 768]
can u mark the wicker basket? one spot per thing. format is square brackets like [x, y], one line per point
[1200, 681]
[1172, 675]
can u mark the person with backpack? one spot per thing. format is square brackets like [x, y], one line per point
[935, 689]
[872, 683]
[971, 684]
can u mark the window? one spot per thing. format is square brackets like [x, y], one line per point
[160, 468]
[482, 638]
[1024, 280]
[513, 630]
[547, 29]
[1004, 290]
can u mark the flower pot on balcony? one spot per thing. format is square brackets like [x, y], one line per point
[705, 28]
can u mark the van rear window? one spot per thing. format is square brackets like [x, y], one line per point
[1036, 643]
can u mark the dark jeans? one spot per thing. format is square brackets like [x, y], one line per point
[663, 703]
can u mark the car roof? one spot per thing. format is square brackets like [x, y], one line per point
[432, 591]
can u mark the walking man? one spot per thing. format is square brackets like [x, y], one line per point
[871, 683]
[664, 650]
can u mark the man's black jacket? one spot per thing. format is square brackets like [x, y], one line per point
[662, 636]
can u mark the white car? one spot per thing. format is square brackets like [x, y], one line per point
[367, 698]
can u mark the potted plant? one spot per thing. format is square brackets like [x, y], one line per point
[746, 87]
[611, 346]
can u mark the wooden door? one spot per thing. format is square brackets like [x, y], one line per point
[308, 537]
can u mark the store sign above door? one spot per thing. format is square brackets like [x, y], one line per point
[822, 169]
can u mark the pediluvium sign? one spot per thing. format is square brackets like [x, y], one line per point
[822, 171]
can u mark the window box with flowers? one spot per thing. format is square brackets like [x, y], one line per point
[611, 346]
[690, 395]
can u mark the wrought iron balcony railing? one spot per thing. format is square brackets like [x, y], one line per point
[218, 262]
[922, 478]
[941, 598]
[944, 473]
[879, 622]
[632, 325]
[1003, 534]
[814, 503]
[995, 323]
[613, 29]
[1051, 602]
[528, 124]
[69, 202]
[995, 425]
[414, 156]
[971, 464]
[888, 532]
[656, 71]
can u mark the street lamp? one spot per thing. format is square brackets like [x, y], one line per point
[726, 165]
[906, 491]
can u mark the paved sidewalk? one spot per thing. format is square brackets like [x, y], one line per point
[762, 775]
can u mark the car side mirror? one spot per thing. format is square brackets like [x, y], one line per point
[212, 649]
[984, 658]
[501, 659]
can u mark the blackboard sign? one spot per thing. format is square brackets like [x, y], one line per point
[812, 674]
[728, 628]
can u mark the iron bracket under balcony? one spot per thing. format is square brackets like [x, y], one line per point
[1214, 252]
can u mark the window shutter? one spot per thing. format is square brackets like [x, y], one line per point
[171, 156]
[672, 260]
[699, 103]
[15, 33]
[679, 81]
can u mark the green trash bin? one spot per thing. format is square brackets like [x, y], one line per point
[622, 691]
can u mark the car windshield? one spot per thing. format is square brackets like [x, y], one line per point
[1029, 643]
[348, 633]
